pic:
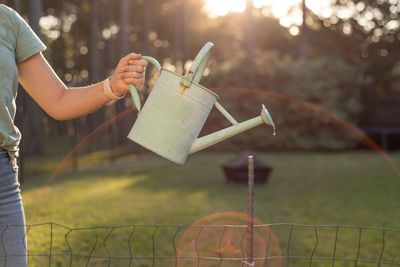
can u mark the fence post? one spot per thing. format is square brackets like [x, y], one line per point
[250, 212]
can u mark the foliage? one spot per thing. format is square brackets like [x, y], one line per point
[328, 82]
[310, 99]
[352, 65]
[373, 29]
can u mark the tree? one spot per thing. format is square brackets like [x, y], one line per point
[95, 118]
[125, 21]
[34, 111]
[17, 5]
[374, 25]
[304, 39]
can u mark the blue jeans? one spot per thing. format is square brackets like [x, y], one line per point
[13, 249]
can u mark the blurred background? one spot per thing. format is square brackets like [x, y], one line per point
[327, 70]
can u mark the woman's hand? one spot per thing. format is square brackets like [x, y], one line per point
[130, 69]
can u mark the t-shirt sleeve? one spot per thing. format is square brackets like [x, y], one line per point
[28, 43]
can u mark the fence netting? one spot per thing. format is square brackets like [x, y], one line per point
[282, 244]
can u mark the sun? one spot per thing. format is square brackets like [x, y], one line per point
[279, 8]
[222, 7]
[288, 12]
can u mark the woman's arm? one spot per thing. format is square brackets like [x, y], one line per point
[62, 103]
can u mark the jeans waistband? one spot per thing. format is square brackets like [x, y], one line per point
[3, 152]
[12, 160]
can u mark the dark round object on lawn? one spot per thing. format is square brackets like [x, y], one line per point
[236, 170]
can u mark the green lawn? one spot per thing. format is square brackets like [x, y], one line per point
[352, 188]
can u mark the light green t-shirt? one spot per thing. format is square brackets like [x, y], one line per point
[17, 43]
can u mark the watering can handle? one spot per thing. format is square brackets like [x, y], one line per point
[132, 88]
[198, 66]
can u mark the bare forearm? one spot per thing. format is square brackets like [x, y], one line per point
[62, 103]
[79, 101]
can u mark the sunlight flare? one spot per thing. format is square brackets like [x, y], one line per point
[288, 10]
[222, 7]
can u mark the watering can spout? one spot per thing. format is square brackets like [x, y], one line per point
[237, 128]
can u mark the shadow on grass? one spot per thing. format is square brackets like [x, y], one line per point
[201, 172]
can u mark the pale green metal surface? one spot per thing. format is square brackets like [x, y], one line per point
[200, 63]
[135, 97]
[153, 61]
[177, 109]
[224, 134]
[172, 117]
[195, 73]
[133, 89]
[267, 117]
[226, 113]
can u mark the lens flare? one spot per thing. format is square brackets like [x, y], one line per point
[86, 139]
[223, 237]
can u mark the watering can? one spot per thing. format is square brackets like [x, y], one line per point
[177, 109]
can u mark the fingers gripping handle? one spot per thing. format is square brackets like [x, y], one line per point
[132, 88]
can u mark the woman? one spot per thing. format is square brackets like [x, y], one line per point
[21, 61]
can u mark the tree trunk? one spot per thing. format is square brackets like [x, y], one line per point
[124, 124]
[249, 43]
[146, 47]
[147, 25]
[304, 37]
[125, 21]
[177, 34]
[94, 51]
[17, 5]
[249, 31]
[181, 37]
[33, 109]
[185, 38]
[96, 118]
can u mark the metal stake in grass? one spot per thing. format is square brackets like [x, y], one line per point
[250, 212]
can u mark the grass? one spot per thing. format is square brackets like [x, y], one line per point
[353, 188]
[85, 155]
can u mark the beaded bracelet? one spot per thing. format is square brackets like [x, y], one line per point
[108, 91]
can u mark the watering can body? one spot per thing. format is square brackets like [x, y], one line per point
[177, 109]
[172, 117]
